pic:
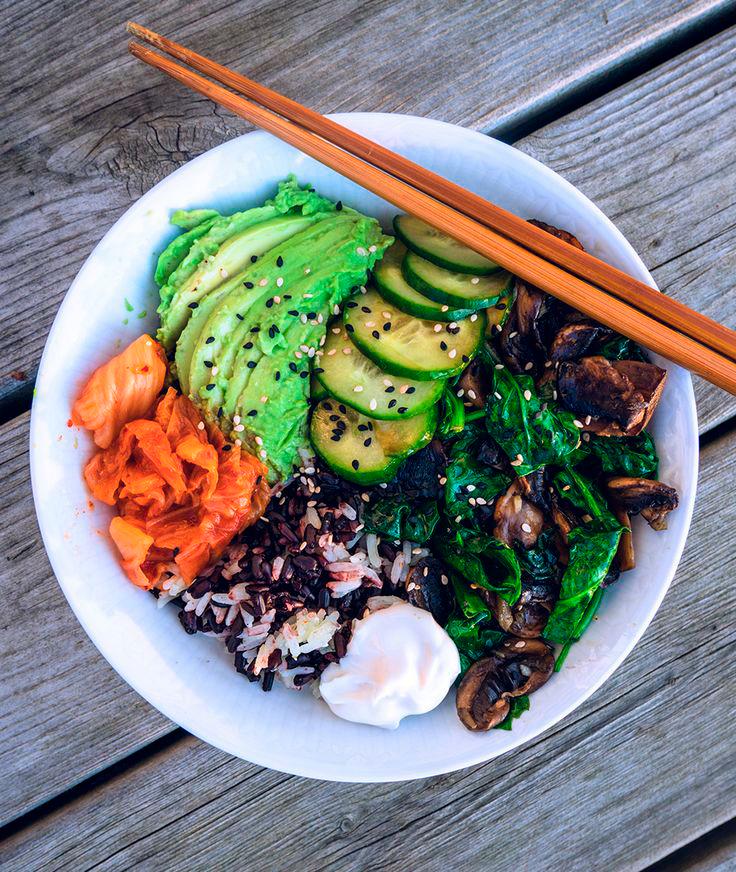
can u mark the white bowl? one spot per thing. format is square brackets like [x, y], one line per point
[191, 679]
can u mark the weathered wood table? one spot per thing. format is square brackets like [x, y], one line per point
[631, 100]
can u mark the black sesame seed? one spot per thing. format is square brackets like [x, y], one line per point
[350, 328]
[277, 374]
[341, 425]
[239, 316]
[335, 438]
[443, 345]
[210, 386]
[248, 345]
[255, 329]
[362, 427]
[269, 303]
[390, 389]
[375, 334]
[208, 364]
[365, 309]
[337, 431]
[466, 359]
[338, 205]
[279, 261]
[194, 305]
[219, 412]
[311, 315]
[293, 313]
[287, 296]
[387, 326]
[304, 374]
[402, 409]
[351, 304]
[318, 370]
[248, 285]
[500, 306]
[210, 339]
[253, 258]
[334, 417]
[355, 464]
[327, 406]
[259, 480]
[367, 441]
[341, 408]
[252, 413]
[251, 364]
[176, 551]
[292, 366]
[272, 331]
[392, 403]
[227, 447]
[411, 389]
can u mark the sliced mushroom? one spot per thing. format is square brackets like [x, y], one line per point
[534, 488]
[475, 384]
[515, 667]
[625, 553]
[426, 589]
[528, 616]
[651, 499]
[611, 398]
[519, 341]
[560, 234]
[575, 339]
[517, 519]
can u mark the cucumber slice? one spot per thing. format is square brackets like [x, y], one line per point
[440, 248]
[394, 288]
[317, 390]
[350, 376]
[454, 288]
[422, 350]
[363, 449]
[497, 314]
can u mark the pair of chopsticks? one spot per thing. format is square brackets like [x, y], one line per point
[586, 283]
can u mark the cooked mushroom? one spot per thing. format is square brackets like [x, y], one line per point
[560, 234]
[527, 618]
[515, 667]
[475, 384]
[519, 341]
[426, 589]
[625, 553]
[611, 398]
[651, 499]
[573, 340]
[517, 519]
[534, 488]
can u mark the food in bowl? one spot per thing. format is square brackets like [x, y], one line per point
[375, 466]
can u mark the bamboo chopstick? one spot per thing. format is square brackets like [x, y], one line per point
[581, 263]
[529, 266]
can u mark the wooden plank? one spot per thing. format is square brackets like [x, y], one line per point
[64, 713]
[713, 852]
[77, 743]
[87, 129]
[646, 764]
[657, 156]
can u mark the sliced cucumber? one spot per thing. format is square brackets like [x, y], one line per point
[422, 350]
[394, 288]
[454, 288]
[440, 248]
[317, 390]
[497, 314]
[363, 449]
[350, 376]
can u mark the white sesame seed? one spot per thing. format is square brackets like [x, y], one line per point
[331, 352]
[386, 314]
[200, 426]
[443, 480]
[259, 441]
[279, 282]
[513, 334]
[578, 423]
[458, 518]
[497, 395]
[474, 316]
[264, 455]
[307, 296]
[437, 328]
[444, 579]
[452, 325]
[481, 501]
[361, 251]
[223, 272]
[263, 283]
[337, 331]
[499, 366]
[347, 349]
[238, 428]
[320, 318]
[587, 518]
[588, 419]
[470, 488]
[236, 419]
[554, 395]
[472, 394]
[298, 355]
[311, 352]
[528, 366]
[474, 280]
[214, 370]
[370, 323]
[566, 487]
[373, 404]
[527, 395]
[277, 299]
[264, 399]
[460, 392]
[358, 389]
[335, 309]
[403, 389]
[452, 352]
[445, 309]
[471, 500]
[363, 289]
[303, 318]
[238, 442]
[526, 527]
[388, 382]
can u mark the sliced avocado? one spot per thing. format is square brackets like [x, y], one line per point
[177, 250]
[187, 219]
[232, 258]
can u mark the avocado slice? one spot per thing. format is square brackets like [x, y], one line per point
[177, 249]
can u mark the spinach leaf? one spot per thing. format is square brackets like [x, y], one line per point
[540, 562]
[467, 477]
[480, 559]
[621, 348]
[584, 496]
[592, 548]
[471, 625]
[527, 428]
[452, 414]
[397, 518]
[519, 705]
[626, 455]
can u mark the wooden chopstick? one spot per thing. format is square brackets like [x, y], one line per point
[581, 263]
[529, 266]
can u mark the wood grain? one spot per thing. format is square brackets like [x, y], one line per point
[86, 131]
[657, 157]
[64, 713]
[646, 765]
